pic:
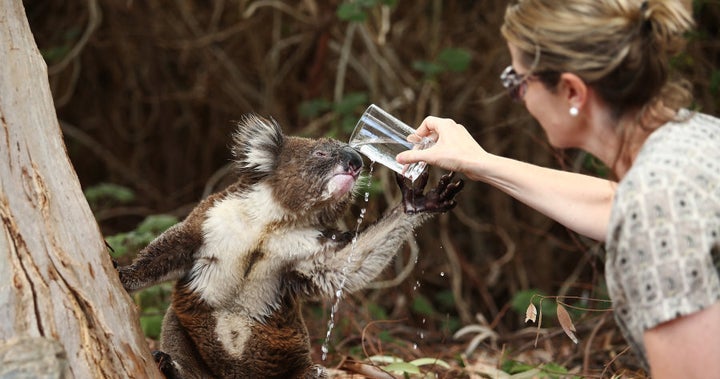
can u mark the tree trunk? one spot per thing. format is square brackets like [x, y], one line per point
[57, 283]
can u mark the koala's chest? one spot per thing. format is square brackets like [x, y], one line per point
[237, 227]
[246, 252]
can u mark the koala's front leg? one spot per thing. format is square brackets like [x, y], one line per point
[356, 264]
[168, 257]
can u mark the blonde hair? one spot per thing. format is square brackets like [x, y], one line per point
[620, 48]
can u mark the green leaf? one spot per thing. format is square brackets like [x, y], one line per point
[350, 102]
[151, 325]
[313, 108]
[429, 361]
[521, 300]
[117, 244]
[422, 306]
[156, 224]
[715, 83]
[446, 299]
[377, 312]
[402, 367]
[352, 12]
[514, 367]
[430, 69]
[454, 59]
[386, 336]
[555, 370]
[109, 192]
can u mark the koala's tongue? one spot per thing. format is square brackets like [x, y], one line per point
[341, 184]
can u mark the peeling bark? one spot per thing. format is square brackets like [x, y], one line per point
[57, 283]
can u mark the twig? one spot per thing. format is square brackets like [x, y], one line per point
[342, 64]
[279, 5]
[113, 163]
[94, 19]
[588, 345]
[456, 270]
[65, 98]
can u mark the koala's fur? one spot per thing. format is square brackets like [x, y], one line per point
[246, 257]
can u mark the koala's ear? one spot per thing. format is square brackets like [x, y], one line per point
[257, 143]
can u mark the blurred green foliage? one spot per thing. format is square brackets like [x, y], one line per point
[356, 10]
[107, 194]
[455, 60]
[546, 371]
[146, 231]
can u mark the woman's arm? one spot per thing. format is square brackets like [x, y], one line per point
[579, 202]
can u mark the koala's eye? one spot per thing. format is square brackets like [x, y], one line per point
[320, 153]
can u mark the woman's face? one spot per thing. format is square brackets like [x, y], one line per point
[549, 108]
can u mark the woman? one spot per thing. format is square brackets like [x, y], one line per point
[595, 75]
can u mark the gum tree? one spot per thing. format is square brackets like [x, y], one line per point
[63, 312]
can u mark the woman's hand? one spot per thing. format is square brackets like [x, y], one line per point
[454, 149]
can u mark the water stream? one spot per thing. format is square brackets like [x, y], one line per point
[351, 259]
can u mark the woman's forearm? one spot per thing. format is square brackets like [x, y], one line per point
[580, 202]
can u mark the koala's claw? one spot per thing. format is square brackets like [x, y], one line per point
[164, 363]
[438, 199]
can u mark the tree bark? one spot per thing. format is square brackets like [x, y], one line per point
[57, 282]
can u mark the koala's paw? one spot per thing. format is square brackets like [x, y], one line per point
[438, 199]
[165, 364]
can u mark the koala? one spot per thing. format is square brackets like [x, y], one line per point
[246, 257]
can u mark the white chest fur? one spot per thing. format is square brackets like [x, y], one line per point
[245, 250]
[233, 229]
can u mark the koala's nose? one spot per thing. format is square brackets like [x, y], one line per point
[351, 157]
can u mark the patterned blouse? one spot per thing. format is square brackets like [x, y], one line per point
[663, 241]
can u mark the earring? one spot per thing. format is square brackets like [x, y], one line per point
[574, 111]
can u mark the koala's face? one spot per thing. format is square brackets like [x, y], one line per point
[310, 177]
[315, 173]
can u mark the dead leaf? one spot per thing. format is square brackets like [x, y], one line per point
[531, 313]
[566, 322]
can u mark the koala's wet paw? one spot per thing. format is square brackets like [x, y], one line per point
[438, 199]
[164, 363]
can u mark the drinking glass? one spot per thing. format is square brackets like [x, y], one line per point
[380, 137]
